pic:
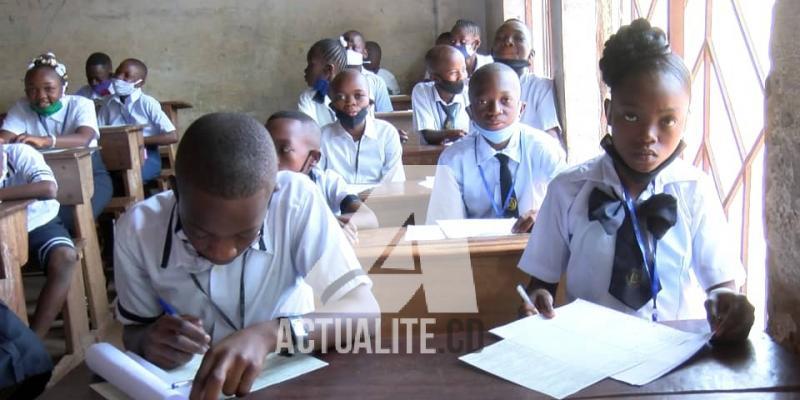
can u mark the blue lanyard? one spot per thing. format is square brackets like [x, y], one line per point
[649, 264]
[498, 211]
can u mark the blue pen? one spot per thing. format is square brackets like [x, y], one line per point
[168, 309]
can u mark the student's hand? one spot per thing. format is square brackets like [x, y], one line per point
[454, 134]
[542, 304]
[38, 142]
[172, 341]
[350, 230]
[233, 364]
[729, 314]
[525, 222]
[403, 135]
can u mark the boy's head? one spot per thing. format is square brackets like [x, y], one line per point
[374, 52]
[133, 71]
[98, 69]
[297, 140]
[45, 82]
[512, 45]
[447, 68]
[324, 60]
[466, 36]
[356, 42]
[494, 95]
[444, 38]
[225, 171]
[350, 97]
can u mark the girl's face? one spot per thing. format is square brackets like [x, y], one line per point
[43, 86]
[647, 114]
[316, 68]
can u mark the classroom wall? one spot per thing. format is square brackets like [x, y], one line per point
[783, 176]
[229, 55]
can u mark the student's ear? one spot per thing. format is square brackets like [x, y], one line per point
[141, 82]
[522, 106]
[313, 158]
[607, 109]
[530, 57]
[477, 44]
[328, 70]
[469, 112]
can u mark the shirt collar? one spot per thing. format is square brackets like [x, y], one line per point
[134, 97]
[606, 174]
[486, 151]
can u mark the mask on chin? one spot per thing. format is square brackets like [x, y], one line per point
[348, 121]
[607, 143]
[519, 66]
[451, 87]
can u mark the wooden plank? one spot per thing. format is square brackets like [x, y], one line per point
[400, 102]
[121, 149]
[13, 254]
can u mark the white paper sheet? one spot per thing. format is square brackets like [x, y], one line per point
[127, 375]
[467, 228]
[423, 233]
[276, 370]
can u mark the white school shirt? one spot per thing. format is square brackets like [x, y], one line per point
[139, 109]
[76, 112]
[428, 112]
[319, 112]
[390, 80]
[693, 255]
[459, 191]
[301, 246]
[21, 164]
[332, 186]
[540, 99]
[378, 91]
[378, 155]
[87, 92]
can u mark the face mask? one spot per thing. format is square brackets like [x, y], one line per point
[354, 58]
[321, 88]
[467, 52]
[451, 87]
[101, 88]
[123, 87]
[498, 136]
[49, 110]
[349, 122]
[518, 66]
[640, 177]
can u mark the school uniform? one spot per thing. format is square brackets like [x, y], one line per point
[75, 112]
[470, 169]
[139, 109]
[22, 165]
[87, 92]
[482, 60]
[693, 255]
[378, 91]
[300, 247]
[390, 80]
[320, 112]
[333, 189]
[430, 112]
[540, 102]
[376, 158]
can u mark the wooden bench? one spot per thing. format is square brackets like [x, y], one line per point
[13, 254]
[400, 102]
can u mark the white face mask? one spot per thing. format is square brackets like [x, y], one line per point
[123, 87]
[498, 136]
[354, 58]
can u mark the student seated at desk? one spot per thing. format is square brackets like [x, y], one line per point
[440, 106]
[130, 106]
[356, 53]
[98, 75]
[360, 148]
[466, 37]
[325, 59]
[229, 250]
[47, 118]
[502, 169]
[512, 46]
[374, 56]
[638, 229]
[26, 365]
[24, 175]
[297, 140]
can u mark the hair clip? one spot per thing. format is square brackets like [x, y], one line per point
[342, 41]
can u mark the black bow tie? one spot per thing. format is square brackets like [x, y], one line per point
[630, 283]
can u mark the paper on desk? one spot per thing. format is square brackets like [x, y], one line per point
[127, 375]
[276, 370]
[467, 228]
[428, 182]
[423, 232]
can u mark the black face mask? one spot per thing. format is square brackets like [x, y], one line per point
[349, 122]
[639, 177]
[451, 87]
[517, 65]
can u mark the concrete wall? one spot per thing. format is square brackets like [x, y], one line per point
[244, 55]
[783, 176]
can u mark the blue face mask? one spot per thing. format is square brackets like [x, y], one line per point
[321, 88]
[463, 50]
[498, 136]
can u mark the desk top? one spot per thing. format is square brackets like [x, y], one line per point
[757, 367]
[10, 207]
[121, 128]
[372, 242]
[74, 152]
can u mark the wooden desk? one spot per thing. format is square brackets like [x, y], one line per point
[757, 370]
[421, 154]
[73, 171]
[121, 149]
[171, 108]
[402, 120]
[427, 279]
[400, 102]
[13, 254]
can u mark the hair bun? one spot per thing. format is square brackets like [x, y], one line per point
[630, 45]
[49, 59]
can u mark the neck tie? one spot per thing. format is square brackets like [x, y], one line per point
[450, 115]
[510, 210]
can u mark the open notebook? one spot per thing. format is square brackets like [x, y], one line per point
[129, 376]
